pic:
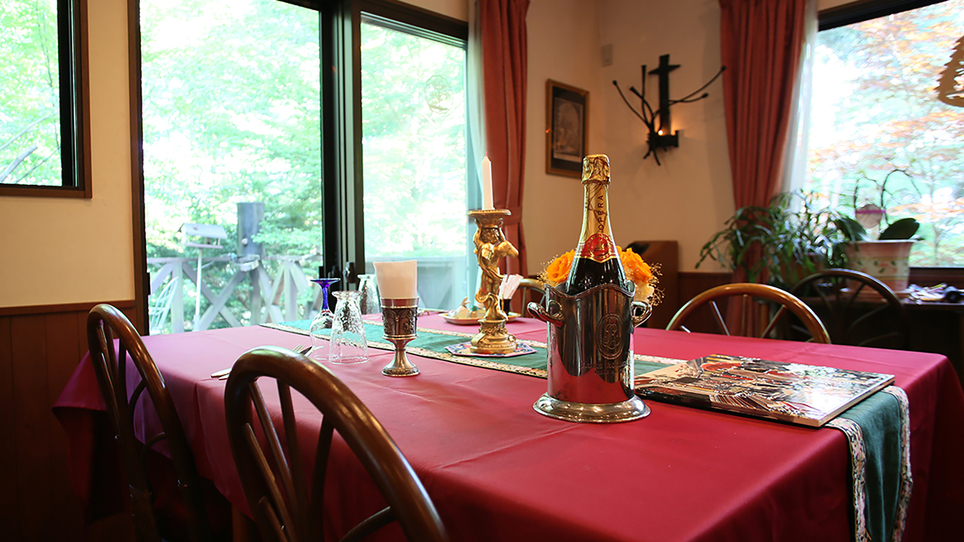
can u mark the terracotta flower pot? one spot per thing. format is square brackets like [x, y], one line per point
[886, 261]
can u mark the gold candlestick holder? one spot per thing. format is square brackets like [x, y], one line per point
[490, 247]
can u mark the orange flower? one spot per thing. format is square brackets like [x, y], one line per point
[636, 269]
[558, 270]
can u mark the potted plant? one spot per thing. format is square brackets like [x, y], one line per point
[884, 255]
[781, 243]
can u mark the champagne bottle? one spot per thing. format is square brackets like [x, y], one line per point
[597, 259]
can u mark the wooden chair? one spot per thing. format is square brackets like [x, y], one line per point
[530, 290]
[274, 480]
[856, 308]
[105, 324]
[749, 293]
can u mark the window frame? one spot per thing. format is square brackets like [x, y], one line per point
[865, 10]
[74, 109]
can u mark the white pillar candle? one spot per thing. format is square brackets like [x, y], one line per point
[486, 184]
[397, 280]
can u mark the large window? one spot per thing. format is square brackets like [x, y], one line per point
[232, 141]
[281, 143]
[42, 81]
[883, 134]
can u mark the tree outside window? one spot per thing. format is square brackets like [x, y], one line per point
[877, 115]
[41, 114]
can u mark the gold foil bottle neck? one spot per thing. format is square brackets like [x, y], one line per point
[595, 169]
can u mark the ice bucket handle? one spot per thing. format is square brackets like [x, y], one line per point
[641, 312]
[552, 316]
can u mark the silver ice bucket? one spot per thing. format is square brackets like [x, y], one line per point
[590, 351]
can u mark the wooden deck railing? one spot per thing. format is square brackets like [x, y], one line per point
[241, 293]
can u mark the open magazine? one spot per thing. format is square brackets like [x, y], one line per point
[790, 392]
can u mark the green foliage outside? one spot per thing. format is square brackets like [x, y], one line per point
[30, 90]
[232, 114]
[413, 114]
[876, 110]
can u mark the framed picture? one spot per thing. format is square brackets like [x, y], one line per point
[567, 128]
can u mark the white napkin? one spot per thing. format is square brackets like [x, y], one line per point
[397, 280]
[510, 283]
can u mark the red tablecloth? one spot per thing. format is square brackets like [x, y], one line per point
[497, 470]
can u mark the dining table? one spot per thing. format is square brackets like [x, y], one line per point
[497, 470]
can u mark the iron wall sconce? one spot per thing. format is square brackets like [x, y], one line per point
[662, 136]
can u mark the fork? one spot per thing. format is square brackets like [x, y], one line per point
[223, 374]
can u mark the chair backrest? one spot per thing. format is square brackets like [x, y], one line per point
[749, 293]
[856, 308]
[273, 474]
[105, 325]
[530, 290]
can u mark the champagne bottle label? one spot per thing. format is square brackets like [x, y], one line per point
[595, 242]
[596, 260]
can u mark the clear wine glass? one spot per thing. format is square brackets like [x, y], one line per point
[348, 343]
[323, 321]
[369, 301]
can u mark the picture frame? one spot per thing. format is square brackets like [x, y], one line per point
[567, 128]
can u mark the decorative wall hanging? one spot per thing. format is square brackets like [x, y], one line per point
[567, 128]
[950, 88]
[661, 135]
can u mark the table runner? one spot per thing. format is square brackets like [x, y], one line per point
[877, 429]
[431, 343]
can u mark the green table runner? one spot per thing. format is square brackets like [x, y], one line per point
[431, 343]
[877, 429]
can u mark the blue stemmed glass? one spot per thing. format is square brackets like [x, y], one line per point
[324, 319]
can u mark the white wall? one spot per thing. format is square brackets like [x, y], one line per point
[457, 9]
[689, 196]
[827, 4]
[563, 42]
[56, 250]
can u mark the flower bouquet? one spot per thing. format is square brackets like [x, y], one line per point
[643, 275]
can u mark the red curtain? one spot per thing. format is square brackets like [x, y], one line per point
[761, 44]
[761, 41]
[504, 52]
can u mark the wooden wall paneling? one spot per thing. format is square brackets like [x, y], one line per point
[40, 347]
[64, 350]
[32, 407]
[665, 255]
[9, 528]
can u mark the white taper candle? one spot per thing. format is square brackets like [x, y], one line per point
[486, 183]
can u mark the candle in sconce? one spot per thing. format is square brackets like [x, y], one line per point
[486, 184]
